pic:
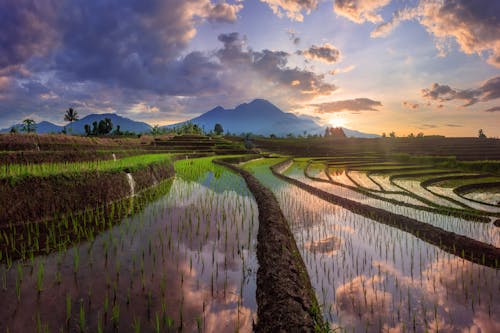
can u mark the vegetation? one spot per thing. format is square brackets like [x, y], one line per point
[29, 126]
[71, 115]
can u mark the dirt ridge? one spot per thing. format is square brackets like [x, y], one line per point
[285, 298]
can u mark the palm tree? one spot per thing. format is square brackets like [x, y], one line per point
[29, 125]
[71, 115]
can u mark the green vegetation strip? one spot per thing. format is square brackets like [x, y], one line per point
[285, 298]
[129, 164]
[468, 248]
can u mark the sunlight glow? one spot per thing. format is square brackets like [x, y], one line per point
[337, 121]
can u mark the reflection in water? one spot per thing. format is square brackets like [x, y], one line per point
[186, 263]
[385, 280]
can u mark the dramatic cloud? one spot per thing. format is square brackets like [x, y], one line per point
[272, 66]
[410, 105]
[293, 9]
[360, 11]
[326, 53]
[493, 109]
[487, 91]
[27, 30]
[358, 104]
[473, 25]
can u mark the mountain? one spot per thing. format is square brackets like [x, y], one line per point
[78, 127]
[261, 117]
[41, 127]
[258, 117]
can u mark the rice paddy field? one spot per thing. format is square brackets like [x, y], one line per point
[388, 245]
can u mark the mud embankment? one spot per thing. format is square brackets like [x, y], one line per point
[285, 298]
[465, 247]
[32, 199]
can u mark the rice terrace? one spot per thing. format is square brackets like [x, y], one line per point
[191, 232]
[268, 166]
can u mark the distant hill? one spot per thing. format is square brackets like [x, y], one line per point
[126, 124]
[41, 127]
[261, 117]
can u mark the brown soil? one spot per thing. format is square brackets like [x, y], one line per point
[35, 198]
[286, 301]
[468, 248]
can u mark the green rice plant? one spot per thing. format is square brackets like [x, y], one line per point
[81, 321]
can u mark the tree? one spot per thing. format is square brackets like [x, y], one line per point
[384, 135]
[218, 129]
[71, 115]
[13, 130]
[87, 129]
[156, 130]
[105, 126]
[392, 134]
[95, 128]
[29, 125]
[481, 134]
[411, 135]
[420, 135]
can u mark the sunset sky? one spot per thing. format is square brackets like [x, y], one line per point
[429, 66]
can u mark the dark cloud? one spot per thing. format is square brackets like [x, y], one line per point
[474, 25]
[326, 53]
[293, 9]
[272, 66]
[487, 91]
[453, 125]
[493, 109]
[360, 11]
[27, 29]
[358, 104]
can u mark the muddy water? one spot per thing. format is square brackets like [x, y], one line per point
[185, 263]
[370, 277]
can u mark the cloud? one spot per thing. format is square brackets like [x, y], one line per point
[410, 105]
[489, 90]
[271, 66]
[27, 30]
[358, 104]
[293, 9]
[292, 35]
[360, 11]
[325, 53]
[493, 109]
[473, 25]
[222, 12]
[453, 125]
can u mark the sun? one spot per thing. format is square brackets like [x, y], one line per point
[337, 121]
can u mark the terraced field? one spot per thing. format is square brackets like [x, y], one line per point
[198, 234]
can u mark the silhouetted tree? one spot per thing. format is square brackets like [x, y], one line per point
[218, 129]
[481, 134]
[392, 134]
[71, 115]
[105, 126]
[87, 129]
[420, 135]
[13, 130]
[29, 125]
[384, 135]
[95, 128]
[411, 135]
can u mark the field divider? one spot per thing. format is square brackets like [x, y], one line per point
[468, 215]
[286, 301]
[469, 249]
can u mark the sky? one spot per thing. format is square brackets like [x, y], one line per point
[430, 66]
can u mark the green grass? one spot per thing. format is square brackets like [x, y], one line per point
[452, 183]
[49, 169]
